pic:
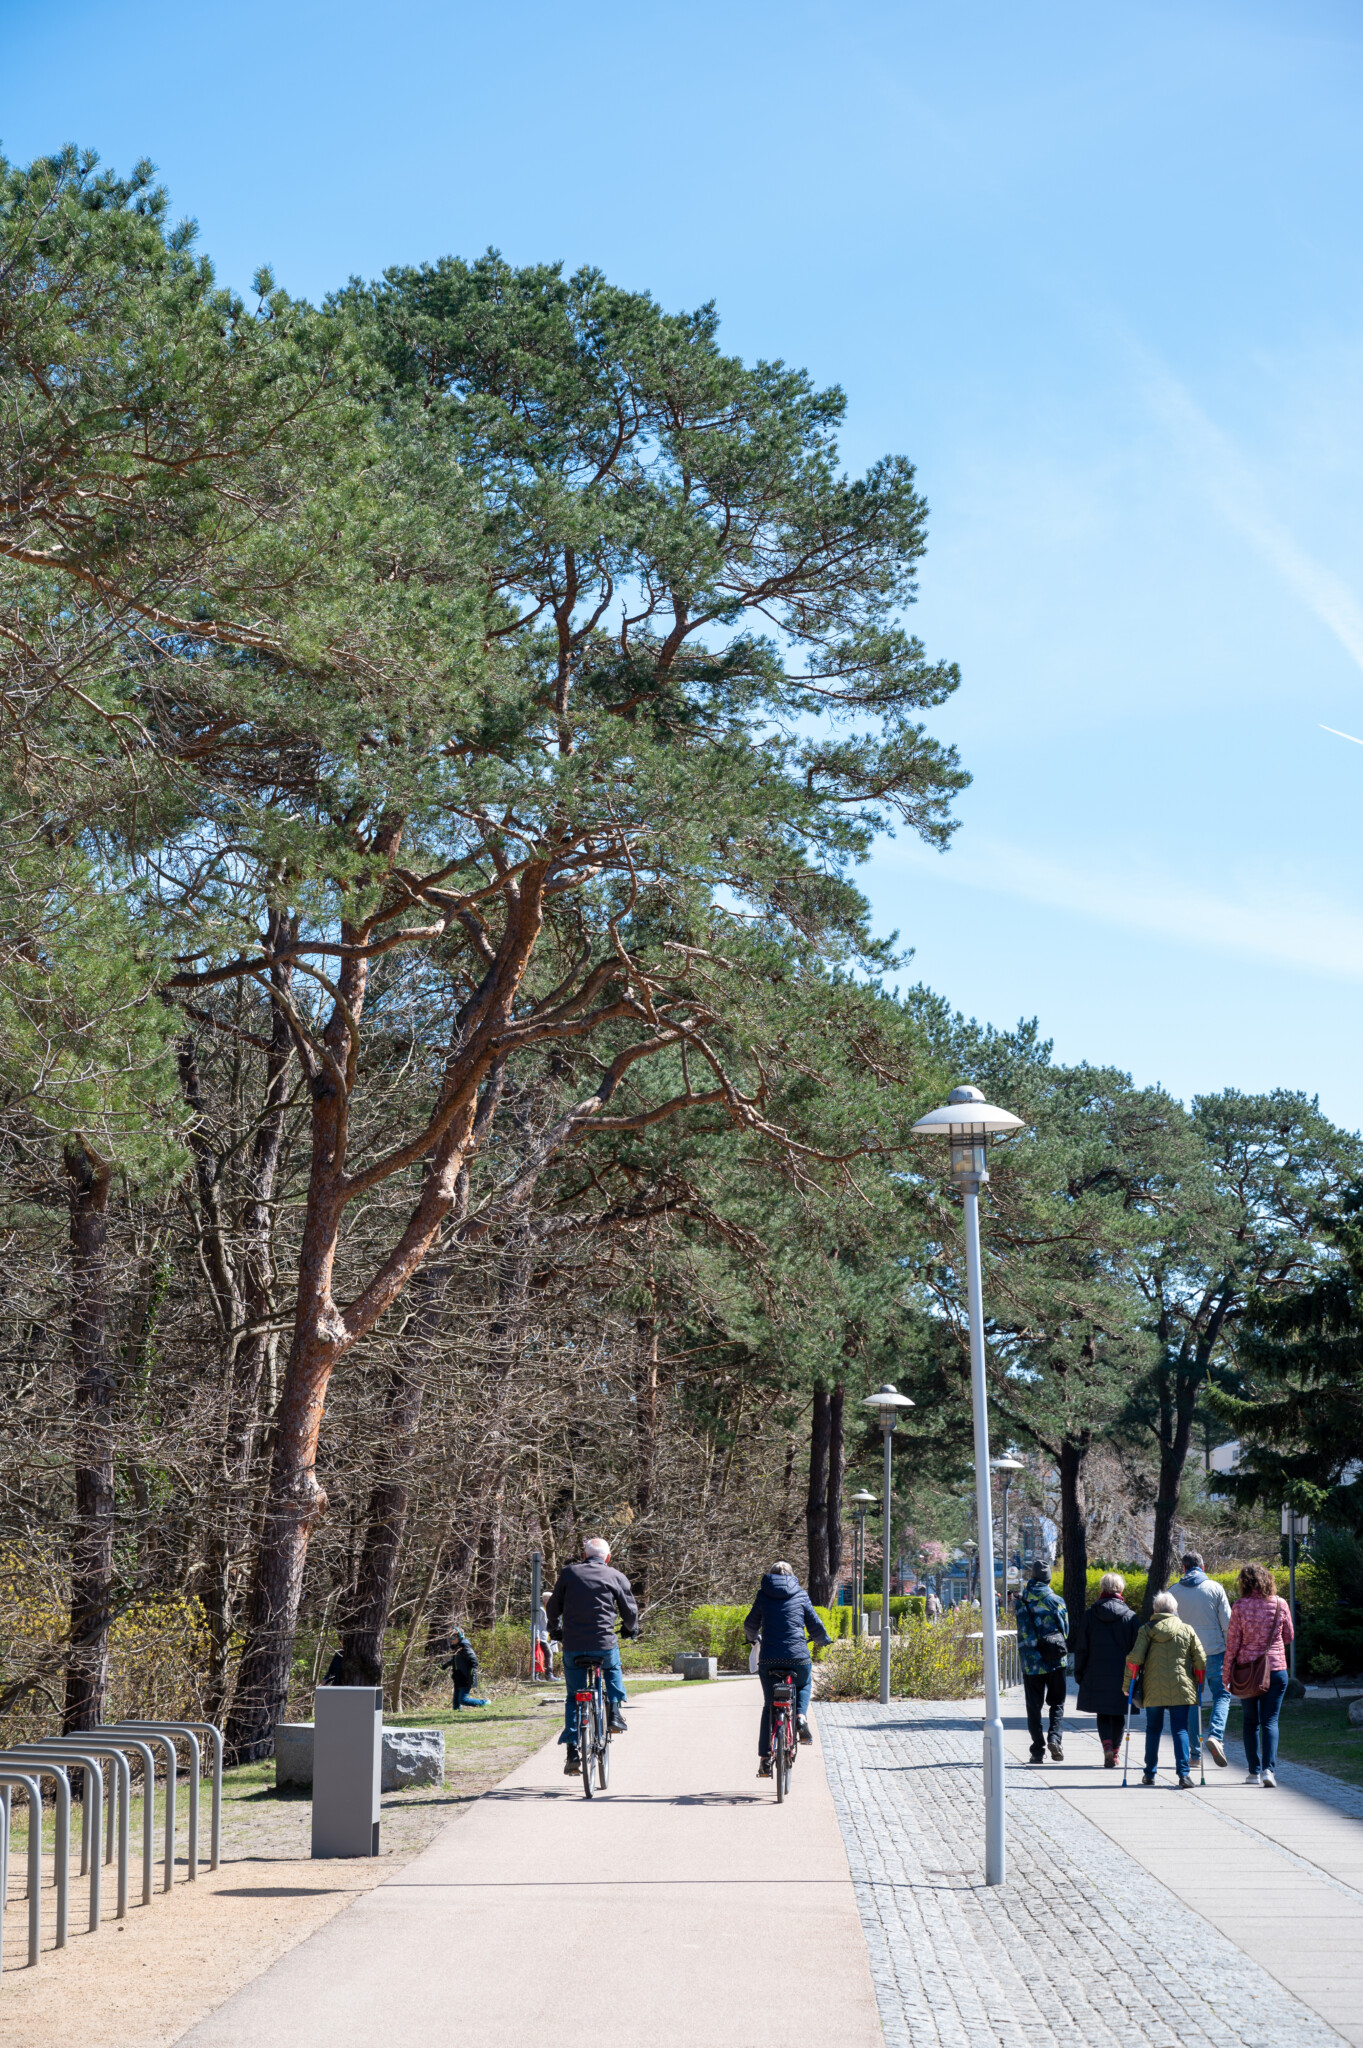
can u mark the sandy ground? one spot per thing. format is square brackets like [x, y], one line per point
[143, 1981]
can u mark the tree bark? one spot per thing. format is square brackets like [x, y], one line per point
[816, 1503]
[1178, 1398]
[92, 1545]
[365, 1622]
[645, 1457]
[1073, 1530]
[837, 1467]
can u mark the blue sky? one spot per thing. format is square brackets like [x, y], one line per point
[1096, 271]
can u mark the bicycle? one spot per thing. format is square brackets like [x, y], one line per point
[594, 1728]
[784, 1734]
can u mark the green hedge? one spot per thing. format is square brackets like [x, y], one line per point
[1137, 1581]
[928, 1661]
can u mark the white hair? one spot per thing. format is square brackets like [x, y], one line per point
[1164, 1603]
[597, 1546]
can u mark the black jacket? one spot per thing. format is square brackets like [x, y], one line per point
[584, 1603]
[1100, 1654]
[464, 1662]
[782, 1615]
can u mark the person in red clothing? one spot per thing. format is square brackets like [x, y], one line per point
[1260, 1625]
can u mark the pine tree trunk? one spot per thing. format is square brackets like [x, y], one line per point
[92, 1545]
[816, 1504]
[365, 1621]
[1073, 1530]
[837, 1467]
[645, 1457]
[1173, 1456]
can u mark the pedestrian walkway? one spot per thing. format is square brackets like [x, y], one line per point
[1226, 1919]
[682, 1907]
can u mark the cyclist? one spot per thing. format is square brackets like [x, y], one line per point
[581, 1613]
[781, 1617]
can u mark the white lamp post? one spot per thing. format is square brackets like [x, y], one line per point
[861, 1502]
[1008, 1466]
[967, 1122]
[887, 1404]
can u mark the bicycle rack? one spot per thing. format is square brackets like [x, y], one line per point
[30, 1787]
[131, 1745]
[119, 1810]
[188, 1731]
[61, 1861]
[70, 1751]
[148, 1733]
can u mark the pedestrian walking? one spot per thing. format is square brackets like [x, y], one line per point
[1205, 1606]
[1102, 1646]
[1170, 1659]
[933, 1606]
[1257, 1635]
[1043, 1652]
[544, 1644]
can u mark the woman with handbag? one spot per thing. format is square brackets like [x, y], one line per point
[1257, 1635]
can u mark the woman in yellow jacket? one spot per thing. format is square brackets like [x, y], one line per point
[1172, 1659]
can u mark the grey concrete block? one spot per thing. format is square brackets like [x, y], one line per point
[1356, 1713]
[692, 1664]
[411, 1756]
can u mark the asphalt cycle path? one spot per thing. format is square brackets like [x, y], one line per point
[681, 1906]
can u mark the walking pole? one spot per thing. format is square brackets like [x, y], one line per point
[1126, 1753]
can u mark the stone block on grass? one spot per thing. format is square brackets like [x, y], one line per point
[411, 1756]
[692, 1664]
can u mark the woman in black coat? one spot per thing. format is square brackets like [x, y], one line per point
[1100, 1652]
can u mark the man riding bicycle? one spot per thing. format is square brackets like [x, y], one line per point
[581, 1613]
[781, 1617]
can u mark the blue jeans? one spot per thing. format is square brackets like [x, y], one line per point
[1220, 1692]
[578, 1677]
[1178, 1728]
[1262, 1714]
[804, 1677]
[465, 1696]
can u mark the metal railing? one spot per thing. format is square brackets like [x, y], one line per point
[1010, 1667]
[25, 1765]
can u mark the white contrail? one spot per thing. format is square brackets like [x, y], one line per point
[1341, 735]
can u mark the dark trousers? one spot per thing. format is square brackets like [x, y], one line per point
[1110, 1727]
[1050, 1687]
[1260, 1719]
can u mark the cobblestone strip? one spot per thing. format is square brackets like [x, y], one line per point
[1080, 1946]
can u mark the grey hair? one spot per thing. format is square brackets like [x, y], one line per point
[1111, 1585]
[1164, 1603]
[597, 1546]
[782, 1565]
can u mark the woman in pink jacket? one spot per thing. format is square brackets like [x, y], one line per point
[1260, 1626]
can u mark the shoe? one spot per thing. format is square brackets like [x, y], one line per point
[1215, 1751]
[1194, 1760]
[617, 1724]
[1109, 1758]
[573, 1767]
[1186, 1785]
[764, 1767]
[1038, 1756]
[1148, 1778]
[1252, 1778]
[1053, 1744]
[805, 1737]
[1268, 1779]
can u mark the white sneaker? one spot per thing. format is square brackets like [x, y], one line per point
[1252, 1778]
[1268, 1779]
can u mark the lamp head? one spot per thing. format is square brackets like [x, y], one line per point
[887, 1402]
[967, 1122]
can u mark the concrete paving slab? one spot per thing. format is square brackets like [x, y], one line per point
[650, 1915]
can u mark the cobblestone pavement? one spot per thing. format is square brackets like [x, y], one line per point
[1080, 1946]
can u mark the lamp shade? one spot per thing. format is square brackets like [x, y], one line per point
[966, 1114]
[864, 1499]
[887, 1399]
[1007, 1465]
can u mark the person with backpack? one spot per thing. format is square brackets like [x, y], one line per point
[1172, 1665]
[1257, 1635]
[1203, 1604]
[1043, 1651]
[1101, 1649]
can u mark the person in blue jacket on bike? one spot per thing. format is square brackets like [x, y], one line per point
[780, 1618]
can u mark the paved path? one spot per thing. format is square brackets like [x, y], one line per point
[682, 1907]
[1226, 1919]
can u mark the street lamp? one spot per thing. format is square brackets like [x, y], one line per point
[967, 1122]
[861, 1502]
[887, 1404]
[1008, 1466]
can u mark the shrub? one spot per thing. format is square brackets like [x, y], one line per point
[928, 1661]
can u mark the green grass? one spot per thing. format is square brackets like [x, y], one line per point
[1315, 1732]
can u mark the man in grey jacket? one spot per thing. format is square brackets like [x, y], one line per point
[1203, 1604]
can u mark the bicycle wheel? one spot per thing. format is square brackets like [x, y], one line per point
[780, 1759]
[586, 1736]
[603, 1764]
[790, 1753]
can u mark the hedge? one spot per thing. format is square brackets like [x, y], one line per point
[1137, 1581]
